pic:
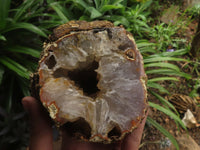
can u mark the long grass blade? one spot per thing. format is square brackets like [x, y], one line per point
[145, 46]
[164, 101]
[163, 131]
[25, 50]
[97, 3]
[23, 25]
[163, 65]
[115, 2]
[117, 19]
[94, 13]
[30, 65]
[4, 10]
[170, 54]
[14, 66]
[22, 9]
[162, 79]
[169, 72]
[106, 8]
[2, 38]
[144, 43]
[157, 86]
[58, 10]
[168, 112]
[154, 59]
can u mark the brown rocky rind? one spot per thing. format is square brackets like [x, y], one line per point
[92, 80]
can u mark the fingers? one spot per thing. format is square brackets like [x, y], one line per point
[132, 141]
[41, 131]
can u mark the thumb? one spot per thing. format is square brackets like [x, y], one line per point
[41, 132]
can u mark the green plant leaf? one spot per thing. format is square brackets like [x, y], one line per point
[163, 65]
[163, 131]
[25, 50]
[174, 53]
[4, 10]
[94, 13]
[82, 3]
[14, 66]
[2, 38]
[115, 2]
[157, 86]
[154, 59]
[164, 101]
[58, 10]
[169, 113]
[117, 19]
[22, 9]
[144, 43]
[169, 72]
[27, 63]
[162, 79]
[145, 46]
[97, 3]
[23, 25]
[106, 8]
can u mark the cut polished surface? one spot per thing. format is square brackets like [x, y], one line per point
[95, 75]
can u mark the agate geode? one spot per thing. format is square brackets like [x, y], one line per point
[91, 79]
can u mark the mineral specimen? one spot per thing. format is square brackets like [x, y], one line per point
[91, 80]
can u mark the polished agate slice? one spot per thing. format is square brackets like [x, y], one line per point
[92, 80]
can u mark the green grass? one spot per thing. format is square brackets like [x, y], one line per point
[163, 131]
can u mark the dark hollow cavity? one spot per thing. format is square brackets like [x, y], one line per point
[50, 62]
[86, 79]
[77, 129]
[115, 132]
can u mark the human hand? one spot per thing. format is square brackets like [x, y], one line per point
[41, 137]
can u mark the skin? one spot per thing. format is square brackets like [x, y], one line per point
[41, 137]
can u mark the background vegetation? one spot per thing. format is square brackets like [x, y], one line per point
[26, 24]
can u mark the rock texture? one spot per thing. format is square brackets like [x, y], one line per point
[92, 81]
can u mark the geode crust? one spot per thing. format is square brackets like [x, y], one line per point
[92, 80]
